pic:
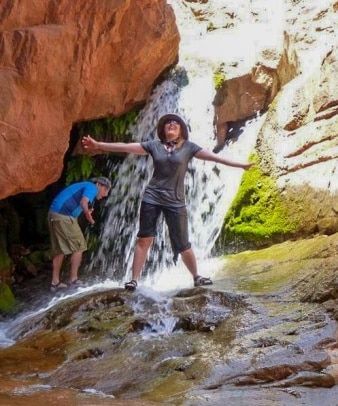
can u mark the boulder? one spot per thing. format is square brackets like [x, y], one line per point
[64, 62]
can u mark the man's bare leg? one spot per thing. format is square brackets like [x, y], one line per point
[57, 263]
[75, 262]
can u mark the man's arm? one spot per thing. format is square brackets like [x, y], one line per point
[89, 144]
[86, 210]
[206, 155]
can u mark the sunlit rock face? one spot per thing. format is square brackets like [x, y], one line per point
[298, 143]
[62, 62]
[243, 96]
[252, 54]
[283, 61]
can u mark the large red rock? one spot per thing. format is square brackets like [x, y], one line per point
[66, 61]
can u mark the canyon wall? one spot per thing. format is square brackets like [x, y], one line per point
[68, 61]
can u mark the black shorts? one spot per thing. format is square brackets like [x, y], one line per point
[176, 219]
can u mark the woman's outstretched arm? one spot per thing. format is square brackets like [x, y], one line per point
[206, 155]
[89, 144]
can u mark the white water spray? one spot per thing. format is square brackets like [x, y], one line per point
[189, 91]
[210, 188]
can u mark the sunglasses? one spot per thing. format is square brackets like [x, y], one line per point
[172, 122]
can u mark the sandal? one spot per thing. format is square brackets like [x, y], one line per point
[58, 286]
[77, 283]
[202, 281]
[131, 286]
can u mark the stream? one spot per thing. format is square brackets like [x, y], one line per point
[169, 343]
[190, 346]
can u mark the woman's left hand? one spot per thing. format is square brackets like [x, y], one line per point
[247, 166]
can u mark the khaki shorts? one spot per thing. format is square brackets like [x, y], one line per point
[65, 234]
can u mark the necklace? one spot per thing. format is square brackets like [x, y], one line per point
[170, 146]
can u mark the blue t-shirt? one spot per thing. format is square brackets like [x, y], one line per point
[67, 202]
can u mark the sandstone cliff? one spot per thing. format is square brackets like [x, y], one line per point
[292, 77]
[67, 61]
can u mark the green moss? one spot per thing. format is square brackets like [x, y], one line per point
[258, 212]
[219, 77]
[7, 300]
[116, 129]
[80, 167]
[108, 129]
[281, 265]
[164, 387]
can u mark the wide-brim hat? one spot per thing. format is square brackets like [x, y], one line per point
[167, 117]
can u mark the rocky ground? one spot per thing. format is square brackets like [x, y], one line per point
[265, 331]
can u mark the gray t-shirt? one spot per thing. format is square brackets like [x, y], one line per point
[166, 187]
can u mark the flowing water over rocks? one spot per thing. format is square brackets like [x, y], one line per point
[196, 346]
[265, 333]
[189, 91]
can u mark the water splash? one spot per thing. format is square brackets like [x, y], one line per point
[5, 341]
[210, 188]
[160, 321]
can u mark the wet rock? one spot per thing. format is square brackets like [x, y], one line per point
[140, 325]
[212, 308]
[41, 352]
[262, 342]
[134, 345]
[332, 306]
[90, 353]
[311, 379]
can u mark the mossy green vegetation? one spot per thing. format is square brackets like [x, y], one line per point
[258, 213]
[219, 77]
[7, 300]
[80, 167]
[108, 129]
[282, 266]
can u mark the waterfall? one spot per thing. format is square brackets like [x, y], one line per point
[188, 91]
[210, 188]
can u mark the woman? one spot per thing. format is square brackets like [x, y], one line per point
[165, 192]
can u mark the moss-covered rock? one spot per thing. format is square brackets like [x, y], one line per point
[307, 268]
[7, 300]
[258, 214]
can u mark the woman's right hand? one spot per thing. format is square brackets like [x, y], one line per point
[89, 144]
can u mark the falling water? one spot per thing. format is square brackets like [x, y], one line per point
[188, 91]
[210, 188]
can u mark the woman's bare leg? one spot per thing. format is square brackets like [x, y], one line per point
[140, 255]
[189, 259]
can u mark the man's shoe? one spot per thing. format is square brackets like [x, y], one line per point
[131, 286]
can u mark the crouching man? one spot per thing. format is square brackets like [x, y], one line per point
[65, 233]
